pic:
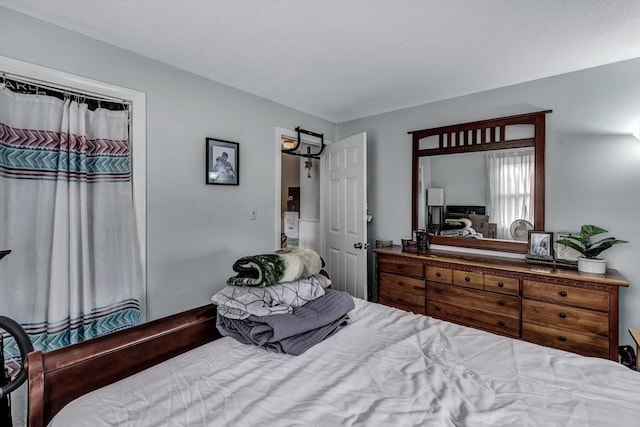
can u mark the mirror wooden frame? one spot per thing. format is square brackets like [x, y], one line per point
[483, 135]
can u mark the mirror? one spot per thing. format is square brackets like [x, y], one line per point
[480, 184]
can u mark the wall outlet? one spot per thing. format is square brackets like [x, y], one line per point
[253, 214]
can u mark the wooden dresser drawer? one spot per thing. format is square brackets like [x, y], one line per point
[492, 322]
[565, 317]
[437, 274]
[468, 279]
[401, 267]
[403, 300]
[554, 307]
[566, 339]
[579, 297]
[503, 285]
[472, 299]
[398, 283]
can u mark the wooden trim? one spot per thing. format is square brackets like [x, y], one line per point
[539, 190]
[60, 376]
[493, 145]
[527, 118]
[35, 368]
[512, 246]
[415, 164]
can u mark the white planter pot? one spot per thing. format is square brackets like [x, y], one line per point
[592, 265]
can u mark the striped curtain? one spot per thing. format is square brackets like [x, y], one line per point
[66, 212]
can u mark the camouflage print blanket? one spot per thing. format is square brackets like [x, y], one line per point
[285, 265]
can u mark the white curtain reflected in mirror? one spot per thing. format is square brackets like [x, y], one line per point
[510, 188]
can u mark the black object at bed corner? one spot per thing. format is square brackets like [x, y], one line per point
[5, 403]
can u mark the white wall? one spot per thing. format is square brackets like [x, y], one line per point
[592, 163]
[463, 178]
[194, 231]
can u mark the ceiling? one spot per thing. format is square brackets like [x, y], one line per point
[342, 60]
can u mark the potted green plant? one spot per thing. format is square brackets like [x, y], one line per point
[583, 243]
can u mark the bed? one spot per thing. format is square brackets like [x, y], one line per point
[386, 367]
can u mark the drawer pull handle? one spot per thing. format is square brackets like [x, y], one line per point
[500, 285]
[501, 302]
[562, 315]
[400, 300]
[438, 274]
[438, 290]
[398, 266]
[401, 283]
[501, 323]
[562, 338]
[438, 307]
[562, 293]
[467, 279]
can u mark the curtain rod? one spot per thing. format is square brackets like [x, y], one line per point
[62, 89]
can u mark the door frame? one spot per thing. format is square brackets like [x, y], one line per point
[307, 139]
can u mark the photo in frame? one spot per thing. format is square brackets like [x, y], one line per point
[562, 253]
[540, 246]
[223, 162]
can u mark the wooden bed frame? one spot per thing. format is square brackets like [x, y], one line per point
[60, 376]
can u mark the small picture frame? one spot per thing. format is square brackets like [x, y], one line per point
[540, 245]
[565, 255]
[563, 252]
[223, 162]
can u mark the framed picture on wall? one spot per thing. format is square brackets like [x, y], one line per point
[540, 246]
[223, 162]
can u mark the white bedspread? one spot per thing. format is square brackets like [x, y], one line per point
[388, 368]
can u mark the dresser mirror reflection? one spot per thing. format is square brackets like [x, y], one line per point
[480, 184]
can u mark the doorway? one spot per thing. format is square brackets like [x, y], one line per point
[336, 227]
[298, 210]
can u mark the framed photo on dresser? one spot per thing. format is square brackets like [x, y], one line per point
[540, 246]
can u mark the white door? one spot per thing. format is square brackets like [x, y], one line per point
[344, 210]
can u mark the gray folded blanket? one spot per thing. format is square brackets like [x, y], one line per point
[292, 333]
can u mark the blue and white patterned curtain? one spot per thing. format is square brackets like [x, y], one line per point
[66, 212]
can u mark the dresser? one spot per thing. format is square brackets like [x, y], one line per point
[552, 306]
